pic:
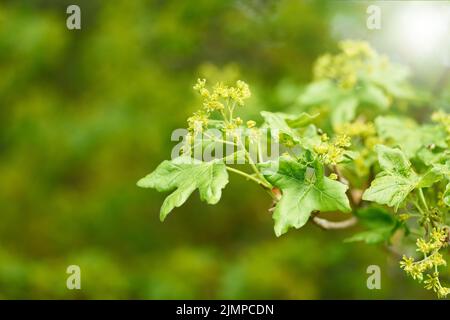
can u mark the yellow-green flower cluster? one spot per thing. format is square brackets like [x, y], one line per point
[198, 121]
[431, 217]
[344, 67]
[431, 261]
[221, 94]
[366, 133]
[442, 118]
[416, 268]
[211, 100]
[220, 98]
[437, 240]
[433, 283]
[364, 130]
[239, 93]
[357, 129]
[332, 152]
[357, 49]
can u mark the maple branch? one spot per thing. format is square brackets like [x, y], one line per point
[333, 225]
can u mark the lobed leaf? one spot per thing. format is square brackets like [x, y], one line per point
[303, 194]
[185, 175]
[392, 185]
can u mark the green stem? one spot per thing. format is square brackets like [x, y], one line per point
[224, 116]
[219, 140]
[231, 109]
[252, 164]
[422, 198]
[250, 177]
[418, 208]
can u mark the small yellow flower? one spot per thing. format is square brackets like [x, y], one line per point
[438, 235]
[197, 122]
[324, 137]
[423, 246]
[199, 85]
[404, 216]
[333, 176]
[221, 90]
[343, 141]
[239, 93]
[321, 148]
[251, 124]
[406, 263]
[432, 282]
[443, 292]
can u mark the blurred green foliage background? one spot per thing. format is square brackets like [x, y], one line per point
[84, 114]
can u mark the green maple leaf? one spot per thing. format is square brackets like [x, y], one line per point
[186, 175]
[429, 157]
[396, 180]
[408, 135]
[319, 92]
[429, 178]
[295, 128]
[436, 173]
[380, 223]
[373, 95]
[443, 169]
[303, 193]
[393, 80]
[287, 123]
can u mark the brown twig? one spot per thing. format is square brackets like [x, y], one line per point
[333, 225]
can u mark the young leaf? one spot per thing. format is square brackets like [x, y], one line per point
[429, 157]
[297, 128]
[185, 175]
[374, 96]
[303, 194]
[300, 121]
[287, 122]
[344, 110]
[380, 223]
[430, 177]
[408, 135]
[278, 121]
[401, 132]
[318, 92]
[395, 182]
[392, 160]
[371, 236]
[443, 169]
[393, 80]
